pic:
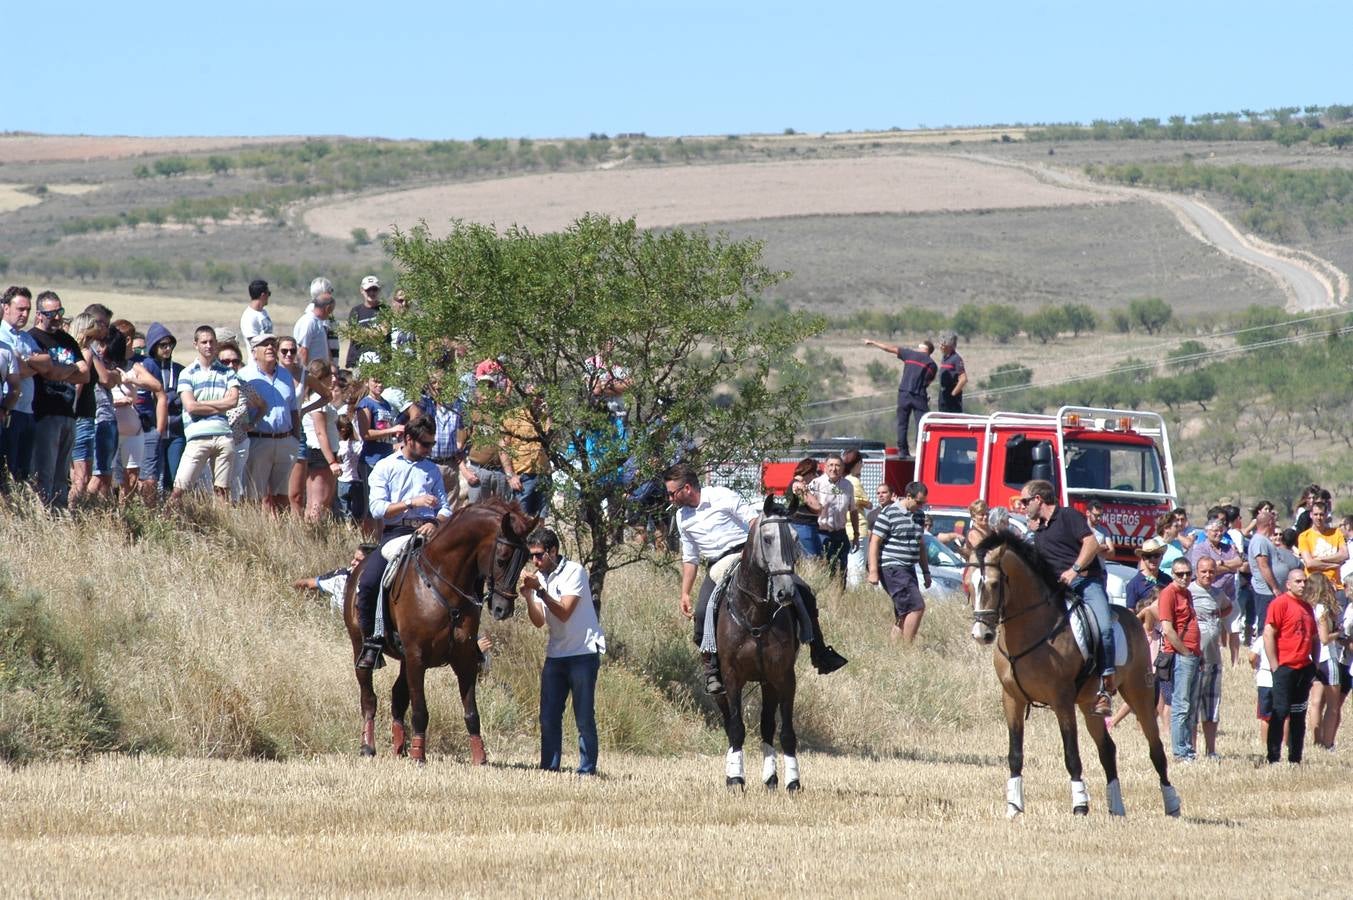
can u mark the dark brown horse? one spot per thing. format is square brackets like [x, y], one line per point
[758, 639]
[1021, 607]
[434, 604]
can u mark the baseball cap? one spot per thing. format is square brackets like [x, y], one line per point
[370, 281]
[260, 339]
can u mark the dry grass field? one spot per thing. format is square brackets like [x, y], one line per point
[667, 196]
[232, 702]
[19, 148]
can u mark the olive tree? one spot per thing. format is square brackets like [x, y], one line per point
[673, 318]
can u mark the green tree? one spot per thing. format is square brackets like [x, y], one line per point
[1151, 314]
[1283, 483]
[880, 374]
[677, 309]
[1046, 324]
[360, 237]
[1079, 318]
[1007, 375]
[1001, 322]
[1185, 355]
[219, 165]
[967, 320]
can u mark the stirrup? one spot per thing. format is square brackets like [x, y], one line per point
[372, 656]
[713, 680]
[827, 660]
[1103, 705]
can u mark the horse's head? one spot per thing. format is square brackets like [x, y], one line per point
[988, 593]
[773, 548]
[509, 556]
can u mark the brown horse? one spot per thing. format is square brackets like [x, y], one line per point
[758, 639]
[434, 604]
[1021, 607]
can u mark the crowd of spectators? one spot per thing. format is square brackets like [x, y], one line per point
[96, 409]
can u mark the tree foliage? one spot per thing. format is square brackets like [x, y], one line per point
[676, 309]
[1151, 314]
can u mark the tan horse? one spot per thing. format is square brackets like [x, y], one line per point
[1021, 608]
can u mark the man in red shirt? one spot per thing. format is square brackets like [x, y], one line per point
[1179, 625]
[1292, 643]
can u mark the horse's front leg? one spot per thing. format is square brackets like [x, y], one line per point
[414, 674]
[467, 677]
[1014, 725]
[1066, 722]
[789, 740]
[734, 774]
[399, 705]
[770, 702]
[1108, 758]
[368, 702]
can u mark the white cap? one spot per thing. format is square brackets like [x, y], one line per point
[370, 281]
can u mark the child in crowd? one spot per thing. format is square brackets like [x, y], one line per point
[1263, 683]
[351, 489]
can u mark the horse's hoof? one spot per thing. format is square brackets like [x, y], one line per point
[739, 783]
[793, 787]
[368, 751]
[1081, 810]
[1012, 812]
[477, 755]
[772, 782]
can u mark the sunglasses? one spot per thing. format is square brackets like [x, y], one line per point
[53, 313]
[289, 351]
[1182, 575]
[427, 445]
[539, 554]
[229, 361]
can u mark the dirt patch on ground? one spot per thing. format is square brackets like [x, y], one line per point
[665, 196]
[16, 148]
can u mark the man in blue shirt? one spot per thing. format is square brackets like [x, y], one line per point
[406, 494]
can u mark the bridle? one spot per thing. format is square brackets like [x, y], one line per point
[784, 569]
[432, 578]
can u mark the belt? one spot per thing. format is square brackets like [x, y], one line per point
[412, 522]
[446, 460]
[491, 468]
[729, 552]
[271, 435]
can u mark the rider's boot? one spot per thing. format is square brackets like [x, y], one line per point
[713, 678]
[1103, 705]
[823, 657]
[371, 656]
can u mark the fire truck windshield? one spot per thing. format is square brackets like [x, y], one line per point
[1100, 466]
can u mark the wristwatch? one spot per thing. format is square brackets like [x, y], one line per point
[1076, 567]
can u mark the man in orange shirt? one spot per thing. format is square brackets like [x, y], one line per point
[1292, 644]
[1322, 546]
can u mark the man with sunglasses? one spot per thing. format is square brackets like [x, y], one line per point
[406, 494]
[273, 441]
[1064, 538]
[714, 524]
[29, 360]
[364, 315]
[54, 396]
[1183, 640]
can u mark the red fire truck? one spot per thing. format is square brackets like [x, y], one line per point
[1119, 457]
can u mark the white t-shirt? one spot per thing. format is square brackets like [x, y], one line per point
[350, 455]
[1263, 676]
[254, 321]
[312, 333]
[581, 634]
[330, 425]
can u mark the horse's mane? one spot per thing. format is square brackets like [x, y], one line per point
[1027, 553]
[493, 507]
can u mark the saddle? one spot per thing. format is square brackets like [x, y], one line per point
[1085, 630]
[720, 593]
[396, 554]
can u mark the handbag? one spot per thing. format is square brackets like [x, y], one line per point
[1164, 666]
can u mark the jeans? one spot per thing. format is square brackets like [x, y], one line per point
[561, 676]
[1092, 592]
[172, 446]
[150, 457]
[18, 446]
[532, 494]
[351, 500]
[1184, 705]
[810, 539]
[53, 443]
[492, 483]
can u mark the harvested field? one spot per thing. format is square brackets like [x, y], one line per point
[65, 148]
[666, 196]
[12, 198]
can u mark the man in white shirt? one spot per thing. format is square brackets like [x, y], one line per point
[255, 320]
[714, 525]
[558, 595]
[406, 494]
[314, 332]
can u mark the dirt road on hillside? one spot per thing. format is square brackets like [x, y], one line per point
[1308, 281]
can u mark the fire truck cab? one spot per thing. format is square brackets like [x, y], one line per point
[1119, 457]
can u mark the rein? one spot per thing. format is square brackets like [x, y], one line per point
[987, 616]
[764, 600]
[428, 573]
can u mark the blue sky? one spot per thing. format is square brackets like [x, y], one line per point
[528, 68]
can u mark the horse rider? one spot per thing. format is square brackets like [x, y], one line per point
[714, 525]
[406, 494]
[1064, 538]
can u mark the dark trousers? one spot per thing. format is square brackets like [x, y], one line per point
[369, 580]
[707, 588]
[1291, 689]
[907, 406]
[18, 446]
[560, 677]
[835, 549]
[949, 403]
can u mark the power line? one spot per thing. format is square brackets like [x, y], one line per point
[1126, 353]
[1090, 376]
